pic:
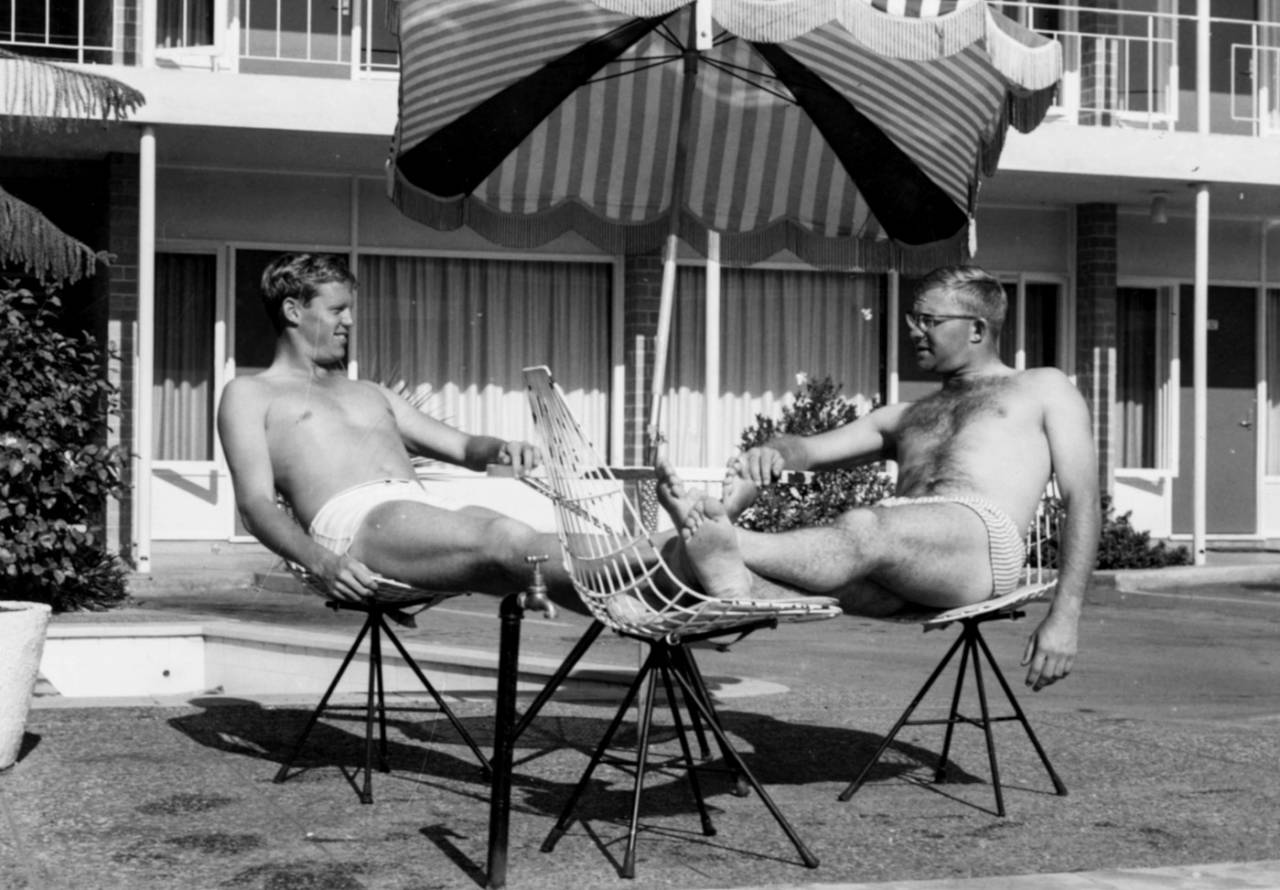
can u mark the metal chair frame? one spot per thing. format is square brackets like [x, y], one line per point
[1038, 583]
[392, 598]
[627, 586]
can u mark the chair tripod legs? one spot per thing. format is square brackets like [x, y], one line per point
[969, 643]
[669, 662]
[375, 626]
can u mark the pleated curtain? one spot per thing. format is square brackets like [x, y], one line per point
[460, 331]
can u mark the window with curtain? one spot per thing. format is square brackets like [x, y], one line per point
[1137, 372]
[1273, 383]
[182, 391]
[774, 325]
[1040, 325]
[461, 331]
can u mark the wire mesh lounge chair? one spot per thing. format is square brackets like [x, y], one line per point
[393, 599]
[628, 587]
[1038, 582]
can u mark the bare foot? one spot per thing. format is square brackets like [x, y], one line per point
[738, 494]
[710, 542]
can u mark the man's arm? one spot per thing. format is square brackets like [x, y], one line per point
[870, 437]
[242, 429]
[1051, 650]
[424, 436]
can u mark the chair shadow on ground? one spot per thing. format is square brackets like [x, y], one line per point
[423, 747]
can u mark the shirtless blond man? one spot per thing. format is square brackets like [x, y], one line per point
[339, 451]
[973, 462]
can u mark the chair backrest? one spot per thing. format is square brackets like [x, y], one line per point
[617, 569]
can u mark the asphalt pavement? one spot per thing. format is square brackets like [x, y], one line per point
[1166, 736]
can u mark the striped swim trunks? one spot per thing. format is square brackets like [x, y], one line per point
[1005, 545]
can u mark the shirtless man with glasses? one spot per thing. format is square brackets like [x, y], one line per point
[974, 459]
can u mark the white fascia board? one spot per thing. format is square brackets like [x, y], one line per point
[1143, 154]
[261, 101]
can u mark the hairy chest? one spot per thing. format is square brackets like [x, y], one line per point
[951, 413]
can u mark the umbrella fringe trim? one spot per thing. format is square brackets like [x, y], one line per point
[1028, 60]
[847, 253]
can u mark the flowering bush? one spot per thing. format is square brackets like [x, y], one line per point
[55, 471]
[817, 407]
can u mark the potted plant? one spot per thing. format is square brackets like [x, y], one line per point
[22, 632]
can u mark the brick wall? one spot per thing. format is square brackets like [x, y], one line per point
[1096, 325]
[120, 283]
[643, 293]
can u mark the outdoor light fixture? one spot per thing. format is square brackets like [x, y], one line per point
[1159, 208]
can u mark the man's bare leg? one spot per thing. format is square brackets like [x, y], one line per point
[934, 556]
[471, 549]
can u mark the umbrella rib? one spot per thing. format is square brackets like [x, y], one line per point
[650, 62]
[741, 72]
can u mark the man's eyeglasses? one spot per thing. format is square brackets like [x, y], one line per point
[925, 321]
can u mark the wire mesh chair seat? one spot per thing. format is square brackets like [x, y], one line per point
[624, 581]
[1037, 582]
[392, 599]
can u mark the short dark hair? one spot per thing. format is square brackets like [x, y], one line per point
[976, 290]
[297, 275]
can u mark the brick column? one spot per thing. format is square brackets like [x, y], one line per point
[120, 282]
[642, 275]
[1098, 21]
[124, 31]
[1096, 326]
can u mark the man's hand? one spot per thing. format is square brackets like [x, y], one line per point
[347, 579]
[762, 465]
[520, 456]
[1050, 652]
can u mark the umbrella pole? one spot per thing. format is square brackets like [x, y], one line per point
[690, 66]
[661, 345]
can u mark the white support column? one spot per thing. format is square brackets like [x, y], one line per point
[357, 35]
[1199, 375]
[893, 311]
[353, 248]
[711, 440]
[147, 32]
[145, 352]
[1202, 67]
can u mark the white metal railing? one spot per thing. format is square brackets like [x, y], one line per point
[319, 32]
[1120, 67]
[1259, 104]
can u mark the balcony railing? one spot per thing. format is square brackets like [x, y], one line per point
[1130, 68]
[1121, 67]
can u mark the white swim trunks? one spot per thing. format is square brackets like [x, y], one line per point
[1005, 544]
[335, 526]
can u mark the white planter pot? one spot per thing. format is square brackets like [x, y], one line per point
[22, 631]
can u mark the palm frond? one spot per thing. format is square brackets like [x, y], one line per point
[38, 94]
[29, 241]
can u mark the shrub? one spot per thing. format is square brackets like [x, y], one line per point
[1121, 546]
[55, 471]
[817, 407]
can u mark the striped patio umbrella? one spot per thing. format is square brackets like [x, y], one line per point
[851, 133]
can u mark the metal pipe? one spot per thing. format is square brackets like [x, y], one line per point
[145, 347]
[711, 374]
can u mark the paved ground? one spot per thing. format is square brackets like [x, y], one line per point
[1168, 736]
